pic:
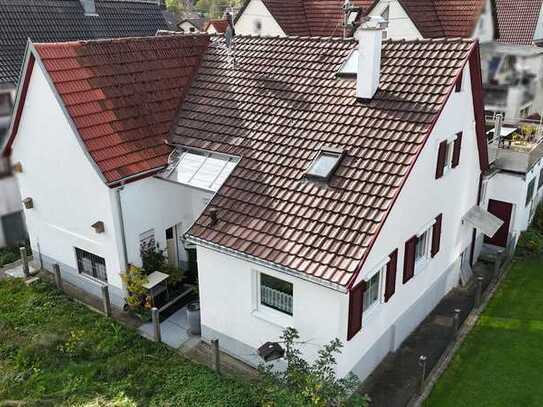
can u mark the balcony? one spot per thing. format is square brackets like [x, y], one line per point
[516, 156]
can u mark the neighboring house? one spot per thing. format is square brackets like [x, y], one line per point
[342, 207]
[190, 22]
[47, 21]
[294, 17]
[216, 26]
[415, 19]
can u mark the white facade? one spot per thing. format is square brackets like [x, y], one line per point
[69, 196]
[256, 19]
[10, 201]
[400, 26]
[229, 285]
[187, 27]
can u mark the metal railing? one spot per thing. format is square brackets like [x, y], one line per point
[276, 299]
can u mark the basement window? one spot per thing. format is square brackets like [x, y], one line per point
[325, 163]
[91, 265]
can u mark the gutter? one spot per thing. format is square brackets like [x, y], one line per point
[252, 259]
[121, 221]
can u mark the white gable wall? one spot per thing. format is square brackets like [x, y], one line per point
[538, 35]
[256, 12]
[420, 201]
[66, 190]
[485, 28]
[10, 201]
[400, 26]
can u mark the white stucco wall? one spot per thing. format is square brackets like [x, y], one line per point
[256, 12]
[400, 26]
[485, 28]
[227, 284]
[420, 201]
[10, 200]
[153, 203]
[538, 34]
[67, 192]
[185, 27]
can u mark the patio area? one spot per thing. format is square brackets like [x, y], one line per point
[174, 329]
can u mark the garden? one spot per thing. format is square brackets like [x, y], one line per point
[500, 362]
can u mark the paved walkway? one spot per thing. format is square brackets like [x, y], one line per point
[173, 330]
[396, 380]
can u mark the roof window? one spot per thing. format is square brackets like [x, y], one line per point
[200, 169]
[325, 163]
[349, 68]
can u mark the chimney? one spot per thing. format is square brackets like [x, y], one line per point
[370, 39]
[89, 7]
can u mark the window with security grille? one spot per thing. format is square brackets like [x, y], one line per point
[91, 264]
[276, 293]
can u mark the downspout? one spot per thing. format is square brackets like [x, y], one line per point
[121, 220]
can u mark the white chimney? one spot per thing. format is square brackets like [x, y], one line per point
[89, 7]
[370, 39]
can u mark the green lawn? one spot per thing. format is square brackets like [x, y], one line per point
[55, 352]
[501, 361]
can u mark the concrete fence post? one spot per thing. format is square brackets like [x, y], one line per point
[456, 321]
[24, 259]
[217, 355]
[105, 300]
[58, 276]
[422, 364]
[478, 291]
[155, 314]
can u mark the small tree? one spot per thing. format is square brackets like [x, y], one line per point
[308, 384]
[152, 258]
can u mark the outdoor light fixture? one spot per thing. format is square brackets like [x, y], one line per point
[98, 227]
[271, 351]
[18, 167]
[28, 203]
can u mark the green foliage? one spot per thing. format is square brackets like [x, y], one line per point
[312, 384]
[8, 255]
[134, 279]
[173, 6]
[176, 274]
[152, 257]
[215, 8]
[538, 218]
[530, 243]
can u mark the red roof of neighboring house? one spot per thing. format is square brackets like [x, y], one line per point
[275, 110]
[123, 95]
[518, 20]
[219, 25]
[322, 18]
[444, 18]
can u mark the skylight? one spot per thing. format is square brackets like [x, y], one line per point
[349, 67]
[325, 163]
[201, 170]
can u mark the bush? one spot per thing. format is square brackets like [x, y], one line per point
[538, 218]
[530, 243]
[152, 257]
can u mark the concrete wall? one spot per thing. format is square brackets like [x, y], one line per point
[400, 25]
[154, 203]
[66, 190]
[228, 285]
[256, 12]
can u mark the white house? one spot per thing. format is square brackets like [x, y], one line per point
[345, 208]
[90, 149]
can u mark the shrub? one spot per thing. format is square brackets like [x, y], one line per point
[152, 257]
[309, 384]
[538, 218]
[176, 274]
[530, 243]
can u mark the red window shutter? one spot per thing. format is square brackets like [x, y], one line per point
[441, 157]
[456, 150]
[458, 86]
[409, 259]
[436, 235]
[390, 286]
[356, 303]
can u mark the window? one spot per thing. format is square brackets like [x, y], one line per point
[147, 238]
[91, 264]
[324, 165]
[530, 193]
[5, 104]
[258, 26]
[540, 183]
[421, 247]
[371, 296]
[276, 293]
[449, 156]
[192, 29]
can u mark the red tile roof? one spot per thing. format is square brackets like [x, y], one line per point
[277, 107]
[444, 18]
[322, 18]
[219, 25]
[518, 20]
[123, 95]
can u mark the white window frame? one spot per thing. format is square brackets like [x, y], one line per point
[422, 262]
[268, 314]
[449, 154]
[380, 269]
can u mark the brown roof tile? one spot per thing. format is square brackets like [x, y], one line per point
[518, 20]
[276, 108]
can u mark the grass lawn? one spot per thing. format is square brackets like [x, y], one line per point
[55, 352]
[500, 363]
